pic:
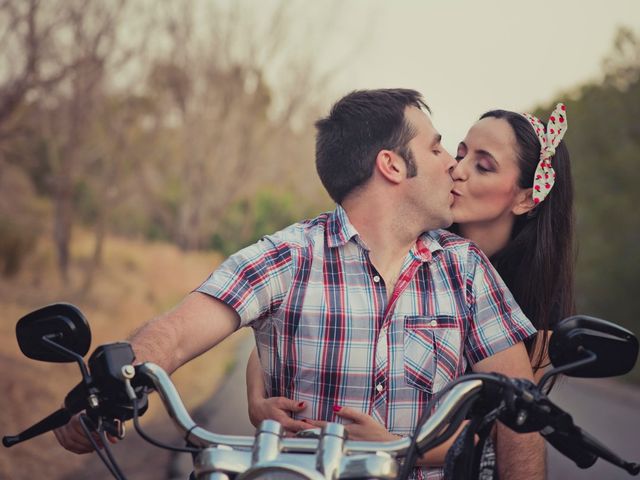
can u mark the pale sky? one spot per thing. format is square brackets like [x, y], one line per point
[470, 56]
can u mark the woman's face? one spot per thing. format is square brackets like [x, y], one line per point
[486, 176]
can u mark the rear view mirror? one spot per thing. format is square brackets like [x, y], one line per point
[615, 348]
[61, 323]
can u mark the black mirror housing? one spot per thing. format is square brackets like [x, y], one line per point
[616, 348]
[61, 323]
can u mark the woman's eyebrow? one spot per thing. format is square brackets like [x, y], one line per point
[484, 153]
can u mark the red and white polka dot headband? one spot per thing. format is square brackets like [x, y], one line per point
[545, 176]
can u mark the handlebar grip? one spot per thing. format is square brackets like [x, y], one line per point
[567, 445]
[55, 420]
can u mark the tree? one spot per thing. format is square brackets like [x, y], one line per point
[604, 141]
[225, 116]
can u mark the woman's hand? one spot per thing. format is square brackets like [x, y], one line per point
[363, 426]
[277, 408]
[274, 408]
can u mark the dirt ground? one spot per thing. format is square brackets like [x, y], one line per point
[136, 282]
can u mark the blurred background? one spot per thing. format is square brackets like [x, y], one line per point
[142, 141]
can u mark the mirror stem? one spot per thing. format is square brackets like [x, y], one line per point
[591, 357]
[47, 340]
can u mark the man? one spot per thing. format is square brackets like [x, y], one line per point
[359, 308]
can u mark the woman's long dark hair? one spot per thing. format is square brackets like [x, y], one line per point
[537, 263]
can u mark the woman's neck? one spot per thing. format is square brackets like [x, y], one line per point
[490, 237]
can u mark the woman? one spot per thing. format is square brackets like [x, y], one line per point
[513, 198]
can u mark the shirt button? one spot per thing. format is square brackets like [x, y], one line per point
[434, 323]
[376, 279]
[379, 387]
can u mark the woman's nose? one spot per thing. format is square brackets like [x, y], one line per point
[459, 172]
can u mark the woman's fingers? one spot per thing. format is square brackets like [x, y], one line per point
[314, 423]
[279, 409]
[350, 414]
[289, 404]
[292, 425]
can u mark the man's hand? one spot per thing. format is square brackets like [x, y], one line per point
[279, 409]
[72, 437]
[363, 426]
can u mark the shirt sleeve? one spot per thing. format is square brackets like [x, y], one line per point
[498, 322]
[252, 281]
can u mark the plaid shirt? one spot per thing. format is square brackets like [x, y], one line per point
[328, 334]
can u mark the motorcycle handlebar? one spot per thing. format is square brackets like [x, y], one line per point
[570, 440]
[560, 431]
[201, 437]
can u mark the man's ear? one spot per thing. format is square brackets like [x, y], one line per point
[391, 166]
[524, 202]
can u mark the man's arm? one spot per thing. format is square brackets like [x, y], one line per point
[198, 323]
[170, 340]
[518, 455]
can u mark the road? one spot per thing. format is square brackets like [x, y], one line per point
[608, 410]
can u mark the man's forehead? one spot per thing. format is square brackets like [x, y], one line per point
[421, 121]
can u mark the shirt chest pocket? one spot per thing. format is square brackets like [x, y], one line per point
[432, 348]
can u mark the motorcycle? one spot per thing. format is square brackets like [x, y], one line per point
[113, 390]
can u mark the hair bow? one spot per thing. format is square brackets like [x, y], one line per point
[545, 177]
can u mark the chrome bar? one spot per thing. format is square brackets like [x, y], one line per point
[172, 402]
[203, 438]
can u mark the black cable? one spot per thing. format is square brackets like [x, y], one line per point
[136, 424]
[107, 449]
[83, 423]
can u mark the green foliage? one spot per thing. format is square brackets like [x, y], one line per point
[250, 219]
[86, 202]
[604, 142]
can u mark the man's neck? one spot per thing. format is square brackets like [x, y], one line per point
[384, 231]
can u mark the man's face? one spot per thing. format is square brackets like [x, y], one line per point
[429, 192]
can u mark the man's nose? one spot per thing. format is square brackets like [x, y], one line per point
[450, 161]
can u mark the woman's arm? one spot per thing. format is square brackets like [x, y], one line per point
[275, 408]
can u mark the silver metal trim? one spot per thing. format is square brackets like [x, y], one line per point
[203, 438]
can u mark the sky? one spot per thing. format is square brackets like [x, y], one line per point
[470, 56]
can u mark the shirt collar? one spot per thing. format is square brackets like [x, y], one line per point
[426, 247]
[340, 230]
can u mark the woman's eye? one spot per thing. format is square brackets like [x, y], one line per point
[458, 157]
[482, 169]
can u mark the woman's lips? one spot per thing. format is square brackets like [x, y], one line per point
[456, 193]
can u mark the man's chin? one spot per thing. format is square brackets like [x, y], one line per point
[447, 222]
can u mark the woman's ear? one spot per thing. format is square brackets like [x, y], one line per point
[391, 166]
[524, 202]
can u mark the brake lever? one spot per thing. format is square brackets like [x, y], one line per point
[115, 428]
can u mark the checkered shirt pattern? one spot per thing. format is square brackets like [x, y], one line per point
[328, 334]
